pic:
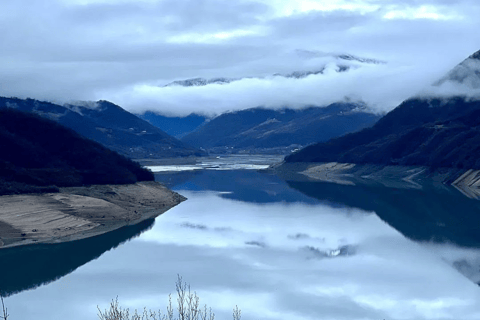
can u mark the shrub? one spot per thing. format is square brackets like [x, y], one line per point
[4, 311]
[188, 308]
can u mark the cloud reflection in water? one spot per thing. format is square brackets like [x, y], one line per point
[269, 259]
[383, 275]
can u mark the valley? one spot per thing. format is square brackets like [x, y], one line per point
[296, 160]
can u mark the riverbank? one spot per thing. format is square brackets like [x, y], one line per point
[466, 181]
[80, 212]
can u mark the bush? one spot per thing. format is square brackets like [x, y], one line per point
[188, 308]
[4, 311]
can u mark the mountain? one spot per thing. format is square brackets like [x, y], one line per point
[342, 62]
[257, 129]
[195, 82]
[433, 132]
[466, 73]
[174, 126]
[39, 155]
[109, 125]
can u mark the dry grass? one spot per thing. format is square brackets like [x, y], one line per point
[188, 308]
[4, 311]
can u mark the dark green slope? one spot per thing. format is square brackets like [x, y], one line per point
[175, 126]
[434, 132]
[39, 155]
[263, 128]
[431, 132]
[426, 132]
[109, 125]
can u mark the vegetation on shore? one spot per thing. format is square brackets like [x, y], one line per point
[188, 308]
[4, 314]
[39, 155]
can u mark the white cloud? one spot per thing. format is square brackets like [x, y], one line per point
[284, 8]
[381, 87]
[422, 12]
[122, 50]
[215, 37]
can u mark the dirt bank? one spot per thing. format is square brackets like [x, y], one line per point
[80, 212]
[409, 177]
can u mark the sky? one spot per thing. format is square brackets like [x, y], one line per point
[125, 51]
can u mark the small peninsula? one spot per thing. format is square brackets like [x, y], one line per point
[56, 185]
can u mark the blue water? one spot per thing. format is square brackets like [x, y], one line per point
[278, 250]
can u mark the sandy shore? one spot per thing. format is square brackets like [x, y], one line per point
[80, 212]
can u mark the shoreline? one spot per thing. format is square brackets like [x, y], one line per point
[467, 181]
[80, 212]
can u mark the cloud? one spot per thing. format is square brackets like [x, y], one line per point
[380, 86]
[122, 50]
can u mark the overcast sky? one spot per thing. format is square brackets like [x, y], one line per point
[125, 51]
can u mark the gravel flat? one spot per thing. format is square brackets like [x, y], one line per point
[80, 212]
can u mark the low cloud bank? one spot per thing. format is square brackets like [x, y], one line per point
[381, 86]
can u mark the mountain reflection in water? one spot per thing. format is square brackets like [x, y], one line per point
[277, 250]
[242, 185]
[437, 215]
[31, 266]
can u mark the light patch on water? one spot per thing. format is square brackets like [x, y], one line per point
[240, 167]
[222, 163]
[173, 168]
[273, 225]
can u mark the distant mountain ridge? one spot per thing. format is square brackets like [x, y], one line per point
[341, 66]
[108, 124]
[177, 127]
[433, 132]
[257, 129]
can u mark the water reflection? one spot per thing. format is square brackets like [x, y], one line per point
[299, 259]
[242, 185]
[438, 215]
[304, 261]
[29, 267]
[444, 220]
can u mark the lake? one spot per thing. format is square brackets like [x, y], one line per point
[277, 249]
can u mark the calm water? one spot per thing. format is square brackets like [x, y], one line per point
[278, 250]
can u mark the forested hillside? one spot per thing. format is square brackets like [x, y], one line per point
[38, 155]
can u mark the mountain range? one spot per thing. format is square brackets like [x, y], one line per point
[108, 124]
[282, 130]
[423, 131]
[174, 126]
[278, 131]
[343, 63]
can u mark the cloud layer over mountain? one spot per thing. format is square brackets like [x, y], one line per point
[124, 51]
